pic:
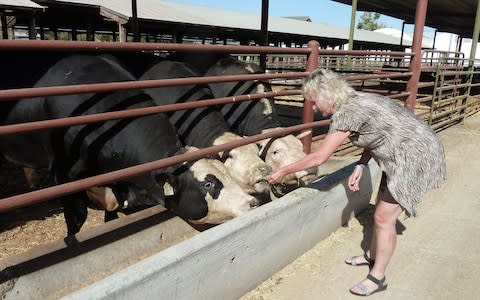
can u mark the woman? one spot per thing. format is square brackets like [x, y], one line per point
[409, 153]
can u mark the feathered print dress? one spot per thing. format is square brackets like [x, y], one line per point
[405, 147]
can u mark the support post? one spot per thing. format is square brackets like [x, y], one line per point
[352, 25]
[415, 64]
[122, 32]
[473, 52]
[3, 18]
[403, 32]
[32, 33]
[136, 33]
[264, 30]
[312, 62]
[476, 32]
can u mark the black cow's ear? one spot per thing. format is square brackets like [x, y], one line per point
[168, 181]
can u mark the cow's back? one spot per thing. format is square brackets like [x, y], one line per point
[246, 117]
[196, 127]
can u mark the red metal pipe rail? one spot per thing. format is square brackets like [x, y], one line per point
[137, 112]
[144, 84]
[21, 45]
[82, 184]
[131, 85]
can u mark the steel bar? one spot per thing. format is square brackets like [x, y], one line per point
[131, 85]
[103, 179]
[130, 113]
[57, 45]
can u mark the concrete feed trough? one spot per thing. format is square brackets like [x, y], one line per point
[229, 260]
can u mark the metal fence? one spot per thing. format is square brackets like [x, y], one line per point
[383, 72]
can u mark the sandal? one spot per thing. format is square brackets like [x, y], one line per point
[381, 286]
[353, 261]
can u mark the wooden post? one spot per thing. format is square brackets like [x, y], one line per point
[4, 26]
[122, 32]
[32, 33]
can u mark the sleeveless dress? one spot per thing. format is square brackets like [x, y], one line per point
[407, 150]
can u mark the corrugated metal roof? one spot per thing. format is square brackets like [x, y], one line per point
[208, 16]
[20, 3]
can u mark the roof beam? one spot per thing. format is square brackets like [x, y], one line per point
[112, 16]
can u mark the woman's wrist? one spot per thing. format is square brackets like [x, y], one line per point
[361, 165]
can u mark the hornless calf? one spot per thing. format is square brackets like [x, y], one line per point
[258, 116]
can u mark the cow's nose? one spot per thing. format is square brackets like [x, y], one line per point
[254, 203]
[265, 170]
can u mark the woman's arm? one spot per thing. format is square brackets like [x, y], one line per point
[356, 176]
[321, 155]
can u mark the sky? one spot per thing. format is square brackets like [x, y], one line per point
[320, 11]
[328, 12]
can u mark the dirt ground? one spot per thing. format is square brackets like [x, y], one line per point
[437, 255]
[24, 228]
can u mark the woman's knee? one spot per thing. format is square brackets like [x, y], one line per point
[386, 214]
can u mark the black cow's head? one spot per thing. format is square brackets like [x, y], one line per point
[206, 193]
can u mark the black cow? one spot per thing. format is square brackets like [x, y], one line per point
[204, 127]
[202, 192]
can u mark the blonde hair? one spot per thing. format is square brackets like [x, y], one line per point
[327, 86]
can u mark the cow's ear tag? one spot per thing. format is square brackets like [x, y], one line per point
[168, 189]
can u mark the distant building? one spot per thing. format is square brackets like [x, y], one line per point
[301, 18]
[407, 37]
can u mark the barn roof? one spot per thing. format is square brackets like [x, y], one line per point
[165, 11]
[445, 15]
[19, 4]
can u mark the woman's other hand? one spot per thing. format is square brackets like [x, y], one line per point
[355, 177]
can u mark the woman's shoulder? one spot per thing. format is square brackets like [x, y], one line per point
[376, 101]
[363, 96]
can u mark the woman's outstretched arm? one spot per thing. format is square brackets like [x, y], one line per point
[328, 146]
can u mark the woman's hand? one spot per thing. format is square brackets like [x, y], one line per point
[276, 177]
[354, 179]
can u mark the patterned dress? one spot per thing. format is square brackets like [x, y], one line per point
[405, 147]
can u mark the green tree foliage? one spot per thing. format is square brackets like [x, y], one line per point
[369, 21]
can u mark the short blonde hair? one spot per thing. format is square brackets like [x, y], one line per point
[327, 86]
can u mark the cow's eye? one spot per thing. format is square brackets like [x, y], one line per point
[208, 184]
[276, 152]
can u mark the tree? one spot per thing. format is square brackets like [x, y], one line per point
[369, 21]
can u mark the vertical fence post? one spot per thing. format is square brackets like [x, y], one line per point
[416, 61]
[312, 62]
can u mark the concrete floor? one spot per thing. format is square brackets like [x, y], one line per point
[437, 255]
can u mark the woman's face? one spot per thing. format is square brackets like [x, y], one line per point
[321, 107]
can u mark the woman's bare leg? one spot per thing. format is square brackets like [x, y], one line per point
[384, 238]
